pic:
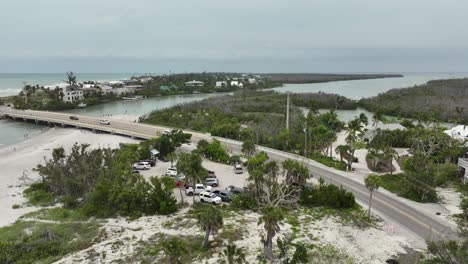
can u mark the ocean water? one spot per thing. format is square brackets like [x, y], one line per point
[358, 89]
[11, 83]
[13, 131]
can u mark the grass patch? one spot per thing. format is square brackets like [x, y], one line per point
[328, 161]
[36, 242]
[37, 195]
[396, 185]
[231, 233]
[58, 214]
[152, 251]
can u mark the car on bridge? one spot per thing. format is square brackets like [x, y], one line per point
[74, 118]
[104, 122]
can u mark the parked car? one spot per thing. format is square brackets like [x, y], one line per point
[180, 177]
[171, 171]
[211, 174]
[162, 158]
[135, 171]
[104, 122]
[209, 197]
[152, 162]
[224, 195]
[235, 190]
[199, 188]
[212, 182]
[142, 165]
[74, 118]
[238, 169]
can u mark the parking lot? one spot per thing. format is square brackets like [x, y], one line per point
[224, 173]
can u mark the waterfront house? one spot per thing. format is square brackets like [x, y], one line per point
[72, 95]
[252, 80]
[221, 84]
[90, 91]
[194, 83]
[236, 83]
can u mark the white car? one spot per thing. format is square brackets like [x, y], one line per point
[171, 171]
[238, 169]
[104, 122]
[199, 188]
[209, 197]
[142, 165]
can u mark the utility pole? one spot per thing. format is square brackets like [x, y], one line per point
[287, 113]
[25, 93]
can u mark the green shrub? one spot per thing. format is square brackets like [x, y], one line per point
[243, 201]
[16, 206]
[37, 195]
[327, 195]
[44, 242]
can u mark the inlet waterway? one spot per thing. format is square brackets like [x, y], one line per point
[12, 131]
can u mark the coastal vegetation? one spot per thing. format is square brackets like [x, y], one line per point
[432, 162]
[443, 100]
[319, 77]
[253, 118]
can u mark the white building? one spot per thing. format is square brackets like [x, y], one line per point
[221, 84]
[252, 80]
[72, 95]
[194, 83]
[236, 83]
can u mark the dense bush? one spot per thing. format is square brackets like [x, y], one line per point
[44, 242]
[243, 201]
[327, 195]
[101, 182]
[37, 195]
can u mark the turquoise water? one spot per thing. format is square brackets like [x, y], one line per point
[12, 132]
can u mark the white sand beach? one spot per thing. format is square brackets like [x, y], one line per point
[18, 160]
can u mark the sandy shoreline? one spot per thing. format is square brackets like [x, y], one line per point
[19, 159]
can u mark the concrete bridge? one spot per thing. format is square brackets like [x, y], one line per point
[426, 226]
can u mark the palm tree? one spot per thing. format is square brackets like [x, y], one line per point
[248, 148]
[71, 79]
[210, 220]
[376, 118]
[191, 166]
[373, 183]
[172, 157]
[174, 250]
[233, 255]
[271, 218]
[390, 154]
[341, 150]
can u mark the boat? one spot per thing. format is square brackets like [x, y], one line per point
[82, 105]
[133, 98]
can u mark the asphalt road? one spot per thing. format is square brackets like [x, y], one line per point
[425, 226]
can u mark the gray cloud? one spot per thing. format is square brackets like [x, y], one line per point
[217, 30]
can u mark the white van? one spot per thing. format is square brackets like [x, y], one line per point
[142, 165]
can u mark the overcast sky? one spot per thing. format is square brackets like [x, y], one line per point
[236, 35]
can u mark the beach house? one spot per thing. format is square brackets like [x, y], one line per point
[194, 83]
[236, 83]
[72, 95]
[221, 84]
